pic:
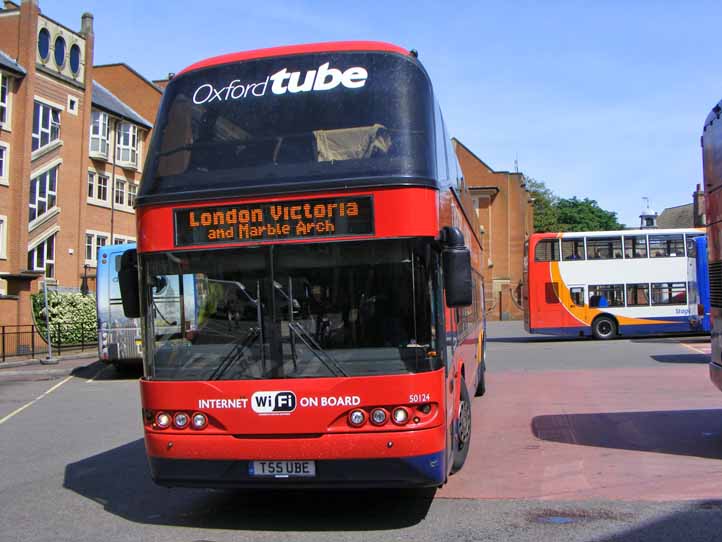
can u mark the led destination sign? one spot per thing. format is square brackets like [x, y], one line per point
[325, 217]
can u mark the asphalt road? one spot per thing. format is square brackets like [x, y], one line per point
[575, 440]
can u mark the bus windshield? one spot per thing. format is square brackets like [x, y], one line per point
[293, 311]
[289, 120]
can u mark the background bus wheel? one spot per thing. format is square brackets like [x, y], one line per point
[481, 386]
[604, 327]
[464, 434]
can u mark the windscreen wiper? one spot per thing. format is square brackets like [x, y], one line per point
[237, 353]
[324, 357]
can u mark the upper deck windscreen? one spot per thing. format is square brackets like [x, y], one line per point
[270, 122]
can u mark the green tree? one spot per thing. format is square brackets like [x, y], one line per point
[552, 213]
[545, 211]
[575, 214]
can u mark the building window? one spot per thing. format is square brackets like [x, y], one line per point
[4, 164]
[127, 148]
[43, 191]
[59, 51]
[4, 99]
[99, 141]
[75, 59]
[132, 192]
[119, 192]
[97, 187]
[93, 242]
[122, 239]
[44, 43]
[42, 257]
[46, 125]
[3, 237]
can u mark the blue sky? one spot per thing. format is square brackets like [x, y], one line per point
[604, 100]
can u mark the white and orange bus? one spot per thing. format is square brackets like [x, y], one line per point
[608, 283]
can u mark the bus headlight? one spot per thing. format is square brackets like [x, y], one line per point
[199, 420]
[162, 420]
[379, 416]
[356, 418]
[180, 420]
[400, 416]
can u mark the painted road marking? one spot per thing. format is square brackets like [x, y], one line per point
[700, 348]
[31, 403]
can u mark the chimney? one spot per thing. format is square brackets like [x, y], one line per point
[86, 24]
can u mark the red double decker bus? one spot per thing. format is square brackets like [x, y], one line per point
[712, 164]
[305, 207]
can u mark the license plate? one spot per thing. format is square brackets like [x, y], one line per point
[283, 469]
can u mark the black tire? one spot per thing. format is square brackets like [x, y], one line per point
[463, 440]
[481, 385]
[604, 327]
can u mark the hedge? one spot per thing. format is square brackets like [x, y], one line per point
[73, 317]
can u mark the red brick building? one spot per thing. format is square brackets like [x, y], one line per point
[506, 214]
[71, 154]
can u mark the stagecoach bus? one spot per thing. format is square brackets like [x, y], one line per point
[610, 283]
[712, 162]
[311, 199]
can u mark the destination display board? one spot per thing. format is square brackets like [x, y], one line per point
[267, 221]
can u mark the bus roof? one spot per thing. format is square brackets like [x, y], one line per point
[323, 47]
[651, 231]
[107, 250]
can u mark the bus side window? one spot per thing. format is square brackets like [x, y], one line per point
[551, 291]
[577, 295]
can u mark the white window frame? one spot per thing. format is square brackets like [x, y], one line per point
[42, 241]
[124, 239]
[119, 191]
[5, 164]
[131, 195]
[3, 237]
[100, 133]
[94, 245]
[73, 105]
[52, 129]
[50, 210]
[95, 199]
[6, 81]
[131, 145]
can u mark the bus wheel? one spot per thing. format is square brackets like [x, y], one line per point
[464, 430]
[481, 385]
[604, 327]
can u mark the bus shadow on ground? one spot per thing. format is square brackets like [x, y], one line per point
[119, 480]
[100, 371]
[682, 358]
[695, 433]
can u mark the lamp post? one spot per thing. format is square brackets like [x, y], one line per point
[84, 285]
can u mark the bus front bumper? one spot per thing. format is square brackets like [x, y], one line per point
[414, 459]
[715, 374]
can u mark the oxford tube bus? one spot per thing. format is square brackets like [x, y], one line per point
[712, 165]
[610, 283]
[312, 198]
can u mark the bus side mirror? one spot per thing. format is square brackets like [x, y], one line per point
[128, 281]
[456, 262]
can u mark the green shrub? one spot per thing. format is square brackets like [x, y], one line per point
[73, 317]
